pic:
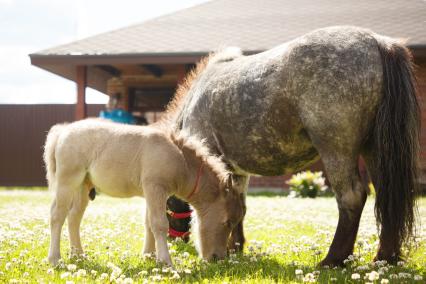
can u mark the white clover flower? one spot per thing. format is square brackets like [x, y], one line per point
[384, 281]
[104, 276]
[185, 254]
[65, 275]
[8, 266]
[355, 276]
[93, 273]
[187, 271]
[157, 277]
[373, 275]
[400, 263]
[128, 281]
[404, 275]
[362, 268]
[71, 267]
[418, 277]
[383, 270]
[175, 276]
[309, 278]
[298, 272]
[26, 274]
[393, 276]
[81, 273]
[69, 282]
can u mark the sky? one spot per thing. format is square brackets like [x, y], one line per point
[28, 26]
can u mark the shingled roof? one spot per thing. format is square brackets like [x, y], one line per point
[184, 36]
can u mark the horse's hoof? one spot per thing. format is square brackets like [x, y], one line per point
[330, 263]
[393, 259]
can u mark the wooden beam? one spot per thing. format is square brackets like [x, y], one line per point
[80, 108]
[110, 70]
[155, 70]
[181, 74]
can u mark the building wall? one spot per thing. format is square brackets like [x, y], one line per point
[23, 130]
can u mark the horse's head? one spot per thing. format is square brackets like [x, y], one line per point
[220, 211]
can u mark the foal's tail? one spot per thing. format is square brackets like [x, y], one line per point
[49, 152]
[396, 145]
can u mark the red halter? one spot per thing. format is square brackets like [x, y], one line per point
[177, 234]
[197, 181]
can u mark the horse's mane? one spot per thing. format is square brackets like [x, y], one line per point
[200, 151]
[223, 55]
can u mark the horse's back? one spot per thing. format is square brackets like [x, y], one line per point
[262, 108]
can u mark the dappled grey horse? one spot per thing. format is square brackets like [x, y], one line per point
[335, 93]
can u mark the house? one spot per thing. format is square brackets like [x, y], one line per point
[144, 62]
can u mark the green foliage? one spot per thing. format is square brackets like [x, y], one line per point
[307, 184]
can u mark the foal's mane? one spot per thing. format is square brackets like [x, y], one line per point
[201, 152]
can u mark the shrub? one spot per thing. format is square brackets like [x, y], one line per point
[307, 184]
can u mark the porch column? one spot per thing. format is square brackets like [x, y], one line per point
[80, 108]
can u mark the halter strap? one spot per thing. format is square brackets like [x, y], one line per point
[177, 234]
[181, 215]
[197, 181]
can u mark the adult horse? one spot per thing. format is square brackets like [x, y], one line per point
[335, 93]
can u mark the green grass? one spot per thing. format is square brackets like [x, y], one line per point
[284, 236]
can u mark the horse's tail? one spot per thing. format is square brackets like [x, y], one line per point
[49, 152]
[396, 146]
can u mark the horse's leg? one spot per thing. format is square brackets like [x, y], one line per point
[237, 239]
[79, 204]
[389, 247]
[58, 212]
[149, 244]
[351, 194]
[156, 198]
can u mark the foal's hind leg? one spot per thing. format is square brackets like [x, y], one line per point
[79, 204]
[58, 212]
[351, 195]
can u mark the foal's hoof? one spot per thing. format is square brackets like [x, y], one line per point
[54, 260]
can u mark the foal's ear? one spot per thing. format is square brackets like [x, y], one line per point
[229, 182]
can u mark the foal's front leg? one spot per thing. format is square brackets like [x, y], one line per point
[156, 197]
[149, 244]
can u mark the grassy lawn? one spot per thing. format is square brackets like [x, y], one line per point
[286, 240]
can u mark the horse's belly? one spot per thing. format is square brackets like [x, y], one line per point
[270, 157]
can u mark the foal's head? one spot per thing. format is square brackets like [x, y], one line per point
[218, 203]
[220, 211]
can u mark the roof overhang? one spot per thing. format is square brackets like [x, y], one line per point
[65, 65]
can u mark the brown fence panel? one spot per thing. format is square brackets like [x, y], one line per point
[23, 130]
